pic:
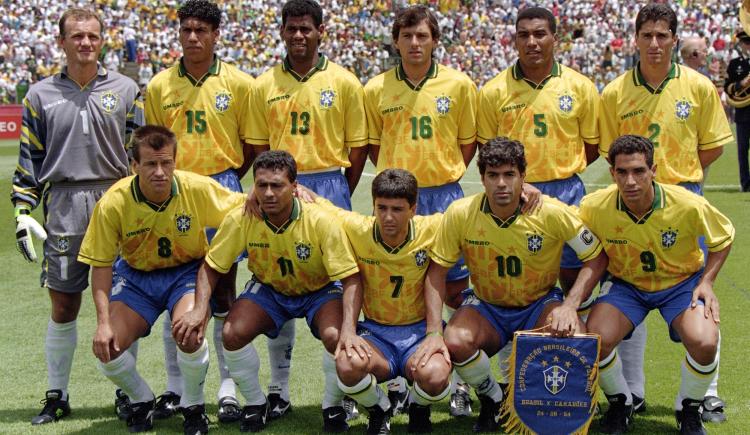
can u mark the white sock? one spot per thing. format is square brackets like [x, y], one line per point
[59, 347]
[477, 373]
[713, 389]
[418, 395]
[280, 358]
[457, 383]
[632, 352]
[243, 365]
[226, 388]
[122, 372]
[133, 349]
[611, 379]
[332, 394]
[174, 377]
[366, 392]
[397, 384]
[193, 367]
[695, 380]
[503, 361]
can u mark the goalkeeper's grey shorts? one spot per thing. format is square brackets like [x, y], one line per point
[67, 211]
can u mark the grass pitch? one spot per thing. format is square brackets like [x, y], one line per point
[26, 311]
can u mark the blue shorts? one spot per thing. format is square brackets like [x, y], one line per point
[636, 304]
[283, 308]
[397, 343]
[330, 185]
[506, 321]
[436, 199]
[570, 191]
[150, 293]
[231, 181]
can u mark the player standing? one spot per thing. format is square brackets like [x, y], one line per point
[145, 244]
[205, 102]
[679, 110]
[650, 232]
[76, 125]
[313, 109]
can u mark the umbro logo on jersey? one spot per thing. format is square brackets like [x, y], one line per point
[182, 222]
[682, 110]
[668, 238]
[565, 103]
[222, 100]
[109, 100]
[420, 258]
[327, 98]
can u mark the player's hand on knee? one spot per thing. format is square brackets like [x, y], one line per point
[705, 292]
[252, 205]
[562, 321]
[26, 226]
[350, 343]
[104, 339]
[190, 324]
[532, 199]
[431, 345]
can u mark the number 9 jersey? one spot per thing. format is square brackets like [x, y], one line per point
[149, 236]
[660, 249]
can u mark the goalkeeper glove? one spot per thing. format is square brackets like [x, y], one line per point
[25, 227]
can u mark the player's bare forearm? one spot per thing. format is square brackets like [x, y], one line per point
[592, 153]
[714, 262]
[589, 276]
[204, 286]
[707, 157]
[101, 284]
[248, 155]
[352, 302]
[357, 158]
[467, 151]
[374, 152]
[434, 294]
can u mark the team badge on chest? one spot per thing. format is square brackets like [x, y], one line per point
[222, 100]
[327, 97]
[443, 105]
[682, 109]
[534, 243]
[109, 101]
[668, 238]
[565, 103]
[63, 244]
[303, 251]
[182, 223]
[420, 258]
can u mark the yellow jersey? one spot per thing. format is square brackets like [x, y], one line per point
[301, 256]
[552, 120]
[152, 236]
[516, 261]
[210, 116]
[661, 248]
[422, 127]
[316, 118]
[681, 117]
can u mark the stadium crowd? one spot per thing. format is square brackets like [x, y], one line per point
[592, 36]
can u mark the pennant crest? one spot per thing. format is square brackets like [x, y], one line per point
[554, 384]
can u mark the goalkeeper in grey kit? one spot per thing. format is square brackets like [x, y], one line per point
[75, 128]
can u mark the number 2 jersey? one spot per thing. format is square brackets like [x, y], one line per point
[516, 261]
[149, 236]
[661, 248]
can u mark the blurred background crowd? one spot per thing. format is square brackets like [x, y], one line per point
[596, 36]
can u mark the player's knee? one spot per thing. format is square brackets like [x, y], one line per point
[434, 377]
[191, 345]
[329, 336]
[351, 369]
[65, 306]
[460, 342]
[232, 338]
[703, 347]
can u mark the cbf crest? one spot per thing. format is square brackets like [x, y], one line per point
[682, 109]
[443, 105]
[534, 243]
[420, 258]
[554, 379]
[183, 222]
[109, 101]
[565, 103]
[303, 251]
[63, 244]
[327, 98]
[222, 100]
[668, 238]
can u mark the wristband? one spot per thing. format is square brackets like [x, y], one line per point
[21, 210]
[440, 333]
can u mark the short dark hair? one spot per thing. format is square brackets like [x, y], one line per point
[656, 12]
[412, 16]
[395, 184]
[276, 160]
[537, 12]
[202, 10]
[79, 14]
[155, 137]
[500, 151]
[631, 144]
[301, 8]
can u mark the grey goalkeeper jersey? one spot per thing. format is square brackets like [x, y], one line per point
[74, 134]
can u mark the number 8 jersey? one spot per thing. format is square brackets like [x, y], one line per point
[512, 262]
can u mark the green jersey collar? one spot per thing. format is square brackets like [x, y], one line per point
[322, 65]
[389, 249]
[296, 213]
[431, 74]
[213, 70]
[659, 202]
[518, 74]
[502, 223]
[138, 196]
[639, 80]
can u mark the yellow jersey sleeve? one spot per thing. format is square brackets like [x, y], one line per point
[717, 228]
[608, 125]
[101, 243]
[228, 242]
[373, 89]
[714, 130]
[446, 248]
